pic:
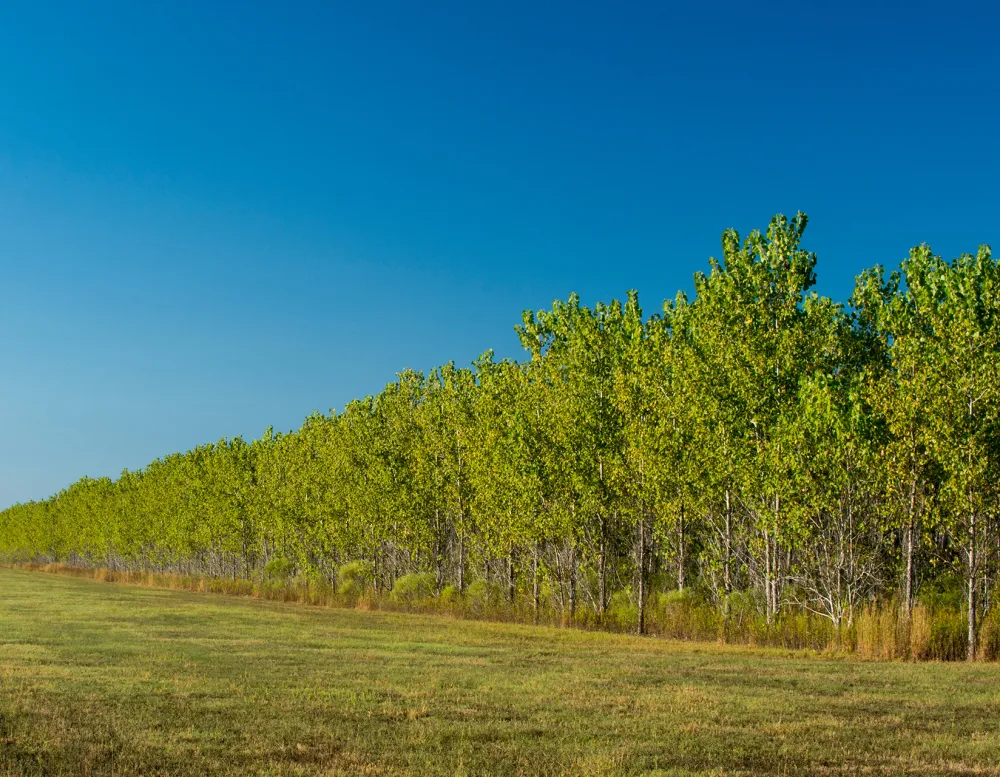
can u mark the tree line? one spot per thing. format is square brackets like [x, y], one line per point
[755, 439]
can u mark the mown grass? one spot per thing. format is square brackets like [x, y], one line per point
[99, 678]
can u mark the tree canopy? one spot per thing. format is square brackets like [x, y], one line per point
[755, 439]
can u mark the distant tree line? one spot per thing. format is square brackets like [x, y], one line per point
[757, 440]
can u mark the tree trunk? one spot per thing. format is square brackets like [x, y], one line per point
[680, 551]
[727, 579]
[535, 593]
[603, 568]
[908, 593]
[572, 582]
[910, 530]
[510, 578]
[775, 564]
[461, 564]
[972, 586]
[776, 576]
[767, 575]
[642, 575]
[438, 554]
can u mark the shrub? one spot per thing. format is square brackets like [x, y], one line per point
[684, 615]
[623, 613]
[278, 569]
[449, 595]
[741, 609]
[482, 597]
[413, 588]
[353, 578]
[548, 594]
[947, 591]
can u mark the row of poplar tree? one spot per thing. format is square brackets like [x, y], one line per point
[756, 437]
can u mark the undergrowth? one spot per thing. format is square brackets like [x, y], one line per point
[934, 630]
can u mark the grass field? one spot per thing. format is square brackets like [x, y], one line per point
[100, 678]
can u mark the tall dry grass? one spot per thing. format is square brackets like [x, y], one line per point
[927, 634]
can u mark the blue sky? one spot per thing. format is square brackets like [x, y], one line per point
[219, 217]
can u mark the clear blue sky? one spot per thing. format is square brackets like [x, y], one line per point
[220, 216]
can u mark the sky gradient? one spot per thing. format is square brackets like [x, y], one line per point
[216, 217]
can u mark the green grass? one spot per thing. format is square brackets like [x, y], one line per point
[99, 678]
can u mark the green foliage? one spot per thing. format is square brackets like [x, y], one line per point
[353, 578]
[449, 595]
[279, 569]
[623, 613]
[943, 593]
[483, 595]
[413, 588]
